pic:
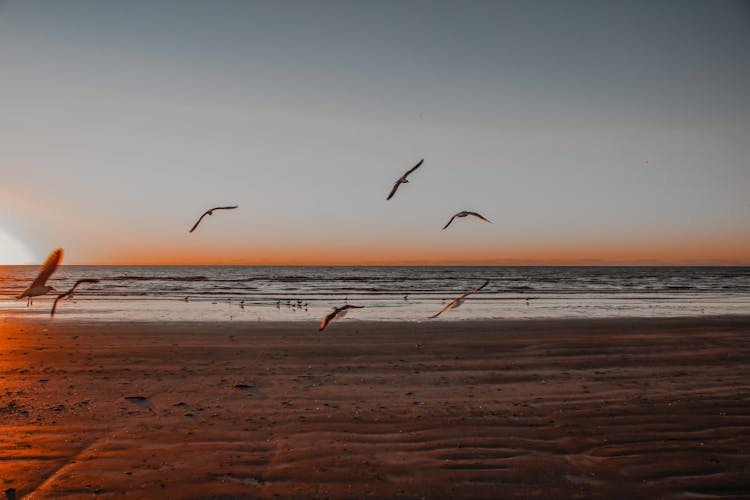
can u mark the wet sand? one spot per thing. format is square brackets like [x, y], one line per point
[493, 409]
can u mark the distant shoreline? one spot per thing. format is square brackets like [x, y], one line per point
[467, 265]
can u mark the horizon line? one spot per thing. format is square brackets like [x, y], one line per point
[447, 264]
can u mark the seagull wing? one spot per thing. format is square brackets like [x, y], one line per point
[403, 178]
[54, 305]
[48, 268]
[347, 307]
[459, 299]
[328, 319]
[449, 222]
[412, 169]
[447, 306]
[63, 295]
[480, 216]
[209, 212]
[395, 188]
[79, 282]
[199, 221]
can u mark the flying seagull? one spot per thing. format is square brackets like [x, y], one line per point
[39, 287]
[403, 179]
[337, 311]
[458, 300]
[70, 292]
[466, 214]
[210, 212]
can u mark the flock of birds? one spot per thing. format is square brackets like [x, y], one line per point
[39, 286]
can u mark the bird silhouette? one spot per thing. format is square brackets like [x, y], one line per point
[210, 212]
[403, 179]
[39, 285]
[464, 213]
[69, 292]
[458, 300]
[337, 312]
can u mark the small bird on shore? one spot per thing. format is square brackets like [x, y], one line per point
[459, 300]
[210, 212]
[403, 179]
[39, 285]
[70, 292]
[464, 213]
[337, 312]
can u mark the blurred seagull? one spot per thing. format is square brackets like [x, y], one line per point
[39, 287]
[337, 311]
[458, 300]
[466, 214]
[210, 212]
[403, 180]
[70, 292]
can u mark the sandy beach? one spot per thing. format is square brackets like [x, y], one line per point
[493, 409]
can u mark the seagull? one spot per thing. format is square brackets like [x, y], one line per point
[337, 311]
[458, 300]
[210, 212]
[70, 292]
[466, 214]
[403, 179]
[39, 287]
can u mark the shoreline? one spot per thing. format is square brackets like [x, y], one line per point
[454, 409]
[14, 316]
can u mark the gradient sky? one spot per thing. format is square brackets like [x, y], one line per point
[589, 132]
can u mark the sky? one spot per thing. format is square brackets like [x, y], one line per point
[588, 132]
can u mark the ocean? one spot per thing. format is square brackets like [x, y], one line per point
[260, 293]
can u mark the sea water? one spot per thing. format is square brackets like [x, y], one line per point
[281, 293]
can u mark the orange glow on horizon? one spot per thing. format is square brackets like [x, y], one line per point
[668, 252]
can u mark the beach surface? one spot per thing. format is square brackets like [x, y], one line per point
[619, 408]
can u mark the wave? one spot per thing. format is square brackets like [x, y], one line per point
[156, 278]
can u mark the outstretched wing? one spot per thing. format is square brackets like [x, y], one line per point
[412, 169]
[69, 292]
[459, 299]
[199, 221]
[447, 306]
[449, 222]
[48, 268]
[480, 216]
[54, 305]
[403, 178]
[80, 282]
[209, 212]
[347, 307]
[336, 311]
[328, 319]
[395, 188]
[479, 288]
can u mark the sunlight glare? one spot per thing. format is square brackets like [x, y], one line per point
[12, 251]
